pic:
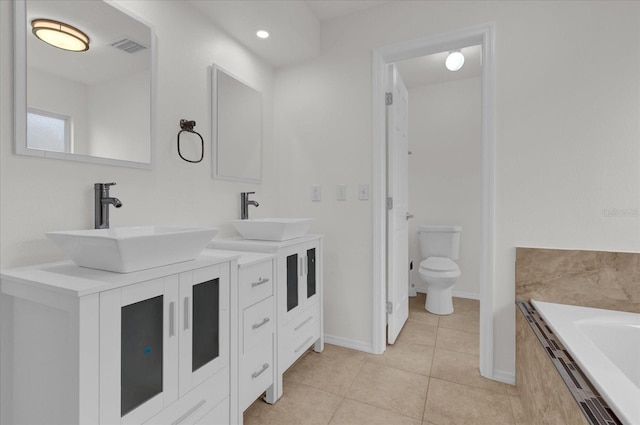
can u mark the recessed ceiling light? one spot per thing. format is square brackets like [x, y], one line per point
[60, 35]
[454, 61]
[262, 34]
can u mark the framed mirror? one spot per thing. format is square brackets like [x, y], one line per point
[236, 128]
[95, 105]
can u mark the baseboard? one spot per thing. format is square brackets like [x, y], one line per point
[468, 295]
[457, 294]
[506, 377]
[348, 343]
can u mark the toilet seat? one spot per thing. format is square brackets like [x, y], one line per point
[439, 264]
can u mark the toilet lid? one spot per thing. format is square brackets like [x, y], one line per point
[439, 264]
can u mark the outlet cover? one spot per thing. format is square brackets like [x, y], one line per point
[341, 192]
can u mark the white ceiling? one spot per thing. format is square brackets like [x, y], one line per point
[430, 69]
[295, 27]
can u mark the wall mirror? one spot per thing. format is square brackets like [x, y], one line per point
[236, 128]
[93, 106]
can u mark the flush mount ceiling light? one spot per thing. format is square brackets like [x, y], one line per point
[60, 35]
[262, 34]
[454, 61]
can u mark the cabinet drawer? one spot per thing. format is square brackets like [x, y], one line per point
[256, 373]
[298, 335]
[258, 323]
[219, 415]
[256, 283]
[197, 402]
[307, 319]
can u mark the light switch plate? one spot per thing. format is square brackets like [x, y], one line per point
[341, 192]
[363, 192]
[316, 193]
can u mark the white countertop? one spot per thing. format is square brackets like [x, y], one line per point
[67, 278]
[246, 258]
[238, 243]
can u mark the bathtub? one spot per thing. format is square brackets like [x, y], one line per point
[606, 346]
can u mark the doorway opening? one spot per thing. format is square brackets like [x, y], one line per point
[482, 35]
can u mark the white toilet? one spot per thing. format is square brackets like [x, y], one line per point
[439, 246]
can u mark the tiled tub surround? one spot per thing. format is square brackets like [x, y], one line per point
[605, 280]
[595, 409]
[608, 280]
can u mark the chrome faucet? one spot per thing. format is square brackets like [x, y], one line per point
[101, 204]
[244, 204]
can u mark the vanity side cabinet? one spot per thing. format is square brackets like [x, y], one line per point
[257, 369]
[164, 347]
[299, 299]
[49, 344]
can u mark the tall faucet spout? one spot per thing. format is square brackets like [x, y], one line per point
[244, 204]
[102, 200]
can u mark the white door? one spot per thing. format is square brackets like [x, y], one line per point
[397, 207]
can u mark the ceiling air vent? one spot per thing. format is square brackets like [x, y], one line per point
[127, 45]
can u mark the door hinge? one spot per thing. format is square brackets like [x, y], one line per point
[388, 97]
[389, 203]
[389, 307]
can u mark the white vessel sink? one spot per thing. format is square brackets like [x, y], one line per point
[272, 229]
[129, 249]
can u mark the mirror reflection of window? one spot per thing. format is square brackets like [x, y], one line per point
[48, 131]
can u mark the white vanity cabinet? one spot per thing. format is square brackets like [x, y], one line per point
[298, 295]
[87, 346]
[255, 370]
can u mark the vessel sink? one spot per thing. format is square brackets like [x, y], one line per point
[129, 249]
[272, 229]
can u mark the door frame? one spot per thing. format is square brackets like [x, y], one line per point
[483, 35]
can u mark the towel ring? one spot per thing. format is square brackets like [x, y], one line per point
[187, 126]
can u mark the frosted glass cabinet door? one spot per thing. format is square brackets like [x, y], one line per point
[138, 350]
[298, 287]
[140, 353]
[204, 325]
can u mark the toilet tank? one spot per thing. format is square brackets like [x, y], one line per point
[439, 241]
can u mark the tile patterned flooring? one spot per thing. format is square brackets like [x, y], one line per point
[430, 376]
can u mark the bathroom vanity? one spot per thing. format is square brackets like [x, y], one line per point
[298, 295]
[87, 346]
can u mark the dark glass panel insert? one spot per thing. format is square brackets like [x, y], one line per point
[292, 281]
[206, 327]
[140, 353]
[311, 272]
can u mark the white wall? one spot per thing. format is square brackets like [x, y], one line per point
[445, 172]
[39, 195]
[568, 109]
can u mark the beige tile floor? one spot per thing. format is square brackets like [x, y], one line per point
[429, 376]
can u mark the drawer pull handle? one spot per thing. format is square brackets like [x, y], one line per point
[304, 344]
[172, 319]
[193, 409]
[259, 282]
[258, 325]
[303, 323]
[265, 366]
[186, 313]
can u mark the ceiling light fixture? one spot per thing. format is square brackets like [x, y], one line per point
[60, 35]
[454, 61]
[262, 34]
